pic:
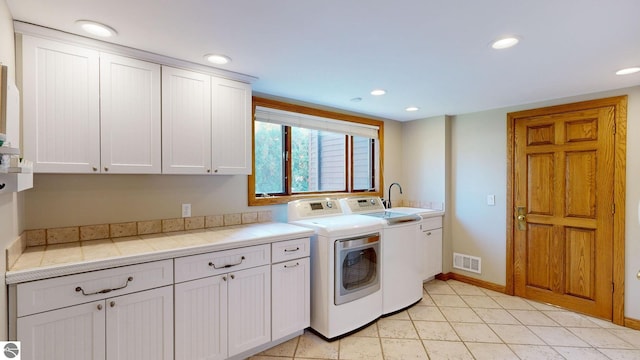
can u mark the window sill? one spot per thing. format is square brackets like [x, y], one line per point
[283, 199]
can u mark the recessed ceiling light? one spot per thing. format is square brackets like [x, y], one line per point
[505, 42]
[412, 108]
[217, 59]
[96, 28]
[627, 71]
[378, 92]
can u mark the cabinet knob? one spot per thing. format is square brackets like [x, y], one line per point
[94, 168]
[429, 233]
[233, 277]
[112, 304]
[99, 306]
[208, 171]
[215, 171]
[224, 278]
[106, 168]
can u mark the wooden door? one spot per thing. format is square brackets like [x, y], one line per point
[564, 204]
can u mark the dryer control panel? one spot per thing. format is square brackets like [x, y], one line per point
[312, 208]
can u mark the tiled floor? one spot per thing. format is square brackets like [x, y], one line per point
[455, 320]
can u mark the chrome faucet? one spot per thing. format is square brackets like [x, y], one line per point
[389, 198]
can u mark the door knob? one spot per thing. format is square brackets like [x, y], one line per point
[638, 275]
[522, 217]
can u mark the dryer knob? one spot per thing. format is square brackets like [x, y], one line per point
[329, 204]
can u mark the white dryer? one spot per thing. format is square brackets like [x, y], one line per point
[401, 270]
[345, 266]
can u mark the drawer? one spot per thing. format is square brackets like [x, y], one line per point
[220, 262]
[432, 223]
[43, 295]
[290, 249]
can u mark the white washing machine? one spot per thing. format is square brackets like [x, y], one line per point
[401, 269]
[345, 266]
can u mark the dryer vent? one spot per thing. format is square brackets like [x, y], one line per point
[467, 262]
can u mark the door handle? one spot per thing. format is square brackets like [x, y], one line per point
[522, 218]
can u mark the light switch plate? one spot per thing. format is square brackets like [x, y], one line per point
[491, 200]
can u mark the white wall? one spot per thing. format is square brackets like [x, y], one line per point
[10, 204]
[478, 163]
[424, 148]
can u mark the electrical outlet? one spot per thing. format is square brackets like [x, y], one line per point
[186, 210]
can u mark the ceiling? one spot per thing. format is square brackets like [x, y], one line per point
[433, 54]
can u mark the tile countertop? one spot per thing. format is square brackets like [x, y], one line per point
[40, 262]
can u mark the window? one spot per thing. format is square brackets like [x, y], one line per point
[305, 152]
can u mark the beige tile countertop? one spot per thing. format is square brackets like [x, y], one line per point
[40, 262]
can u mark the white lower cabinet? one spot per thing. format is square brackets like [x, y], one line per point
[227, 314]
[431, 247]
[72, 333]
[290, 290]
[135, 326]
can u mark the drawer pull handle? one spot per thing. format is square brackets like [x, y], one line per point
[228, 265]
[2, 186]
[105, 291]
[291, 266]
[292, 250]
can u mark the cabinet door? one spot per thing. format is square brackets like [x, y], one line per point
[231, 127]
[72, 333]
[130, 115]
[201, 319]
[140, 325]
[61, 109]
[290, 293]
[433, 256]
[249, 309]
[186, 122]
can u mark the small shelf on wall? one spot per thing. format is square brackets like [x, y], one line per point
[5, 150]
[14, 182]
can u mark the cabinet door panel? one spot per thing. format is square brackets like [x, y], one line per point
[249, 309]
[73, 333]
[290, 292]
[186, 122]
[433, 239]
[130, 115]
[140, 325]
[231, 127]
[201, 319]
[61, 110]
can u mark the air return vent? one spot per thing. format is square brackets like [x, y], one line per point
[467, 262]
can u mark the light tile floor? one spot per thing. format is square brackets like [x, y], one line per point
[455, 320]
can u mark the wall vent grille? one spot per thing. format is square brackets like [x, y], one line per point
[467, 262]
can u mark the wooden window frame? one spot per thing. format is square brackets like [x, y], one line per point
[285, 198]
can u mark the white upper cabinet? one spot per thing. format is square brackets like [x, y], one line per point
[130, 115]
[186, 122]
[61, 110]
[231, 127]
[91, 111]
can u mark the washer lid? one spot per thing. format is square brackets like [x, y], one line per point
[342, 226]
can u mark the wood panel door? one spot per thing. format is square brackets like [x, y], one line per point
[564, 197]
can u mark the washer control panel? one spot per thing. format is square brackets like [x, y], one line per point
[364, 204]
